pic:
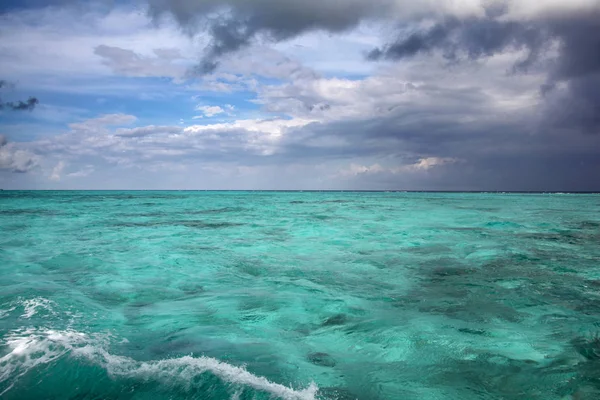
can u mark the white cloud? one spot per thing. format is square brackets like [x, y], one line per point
[420, 83]
[147, 130]
[338, 55]
[210, 111]
[95, 139]
[129, 63]
[54, 48]
[268, 127]
[357, 169]
[103, 121]
[82, 173]
[429, 162]
[14, 159]
[225, 82]
[423, 164]
[266, 62]
[522, 9]
[57, 171]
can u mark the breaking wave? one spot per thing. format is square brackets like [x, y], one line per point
[30, 348]
[32, 306]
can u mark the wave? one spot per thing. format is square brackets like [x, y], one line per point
[31, 306]
[30, 348]
[6, 313]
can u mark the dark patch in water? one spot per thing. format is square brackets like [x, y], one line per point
[405, 302]
[208, 225]
[252, 268]
[502, 224]
[321, 359]
[297, 202]
[338, 319]
[140, 304]
[472, 311]
[428, 250]
[28, 211]
[142, 215]
[566, 237]
[253, 317]
[337, 201]
[216, 210]
[470, 331]
[197, 224]
[191, 288]
[587, 225]
[442, 272]
[465, 229]
[478, 208]
[588, 347]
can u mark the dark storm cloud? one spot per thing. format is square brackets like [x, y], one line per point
[17, 105]
[233, 24]
[577, 63]
[576, 105]
[579, 45]
[20, 105]
[498, 155]
[475, 38]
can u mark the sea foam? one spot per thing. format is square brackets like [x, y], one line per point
[31, 347]
[31, 306]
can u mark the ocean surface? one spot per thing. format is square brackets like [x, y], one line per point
[291, 295]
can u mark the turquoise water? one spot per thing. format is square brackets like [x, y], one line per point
[267, 295]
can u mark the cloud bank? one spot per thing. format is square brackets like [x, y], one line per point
[385, 94]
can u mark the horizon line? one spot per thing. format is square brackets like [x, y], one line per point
[313, 191]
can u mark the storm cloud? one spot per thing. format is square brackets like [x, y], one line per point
[234, 24]
[473, 38]
[561, 39]
[19, 105]
[573, 37]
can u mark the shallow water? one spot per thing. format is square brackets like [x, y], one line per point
[260, 295]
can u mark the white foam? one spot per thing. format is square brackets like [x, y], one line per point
[29, 348]
[31, 306]
[4, 313]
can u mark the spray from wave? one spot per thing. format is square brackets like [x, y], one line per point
[32, 306]
[31, 348]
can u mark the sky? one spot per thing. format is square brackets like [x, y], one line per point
[482, 95]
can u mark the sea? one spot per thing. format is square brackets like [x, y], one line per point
[299, 295]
